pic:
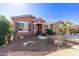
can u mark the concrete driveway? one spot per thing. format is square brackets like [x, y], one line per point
[74, 51]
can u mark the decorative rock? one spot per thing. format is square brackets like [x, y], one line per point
[42, 37]
[27, 43]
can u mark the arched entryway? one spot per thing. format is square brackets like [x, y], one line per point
[38, 29]
[38, 26]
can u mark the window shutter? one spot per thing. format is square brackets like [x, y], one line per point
[17, 26]
[29, 26]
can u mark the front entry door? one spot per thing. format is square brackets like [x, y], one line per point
[39, 29]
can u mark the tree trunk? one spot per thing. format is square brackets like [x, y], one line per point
[6, 39]
[11, 37]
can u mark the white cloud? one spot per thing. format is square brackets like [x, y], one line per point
[13, 9]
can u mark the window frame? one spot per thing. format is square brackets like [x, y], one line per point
[22, 30]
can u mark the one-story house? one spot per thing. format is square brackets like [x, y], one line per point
[27, 25]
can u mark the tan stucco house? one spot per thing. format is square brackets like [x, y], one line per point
[27, 25]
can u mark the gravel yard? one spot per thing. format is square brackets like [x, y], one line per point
[37, 48]
[34, 47]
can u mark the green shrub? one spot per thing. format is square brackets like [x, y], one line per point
[72, 31]
[2, 41]
[50, 32]
[5, 30]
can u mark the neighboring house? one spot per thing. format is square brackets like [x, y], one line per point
[27, 25]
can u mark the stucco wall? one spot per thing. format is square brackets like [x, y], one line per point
[24, 19]
[32, 28]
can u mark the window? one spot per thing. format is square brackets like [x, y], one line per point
[23, 26]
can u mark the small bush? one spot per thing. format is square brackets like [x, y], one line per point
[50, 32]
[72, 31]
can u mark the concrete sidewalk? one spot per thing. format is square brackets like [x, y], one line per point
[74, 51]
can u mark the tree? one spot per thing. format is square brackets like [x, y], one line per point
[5, 30]
[72, 31]
[68, 23]
[63, 26]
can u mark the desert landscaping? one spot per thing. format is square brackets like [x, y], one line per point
[59, 38]
[33, 46]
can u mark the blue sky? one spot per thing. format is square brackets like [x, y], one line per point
[50, 12]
